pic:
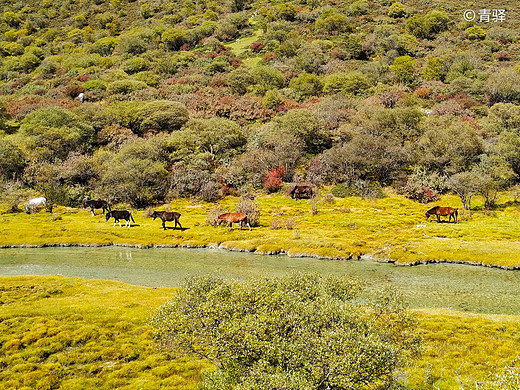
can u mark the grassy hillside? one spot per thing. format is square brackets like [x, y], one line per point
[71, 333]
[205, 99]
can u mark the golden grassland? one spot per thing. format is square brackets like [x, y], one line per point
[75, 333]
[389, 229]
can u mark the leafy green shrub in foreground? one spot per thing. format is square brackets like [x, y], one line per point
[300, 331]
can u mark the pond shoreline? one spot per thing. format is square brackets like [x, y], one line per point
[214, 246]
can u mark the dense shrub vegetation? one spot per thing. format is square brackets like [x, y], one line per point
[226, 97]
[301, 331]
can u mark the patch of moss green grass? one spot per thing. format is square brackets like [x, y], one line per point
[390, 229]
[73, 333]
[240, 48]
[463, 347]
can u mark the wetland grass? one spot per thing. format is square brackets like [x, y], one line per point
[74, 333]
[389, 229]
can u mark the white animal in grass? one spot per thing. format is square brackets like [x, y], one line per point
[34, 203]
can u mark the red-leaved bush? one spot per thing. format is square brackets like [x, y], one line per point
[272, 181]
[256, 47]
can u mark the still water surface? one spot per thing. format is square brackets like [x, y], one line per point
[460, 287]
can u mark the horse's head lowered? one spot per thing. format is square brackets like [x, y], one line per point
[154, 215]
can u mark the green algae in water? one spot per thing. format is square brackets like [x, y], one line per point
[453, 286]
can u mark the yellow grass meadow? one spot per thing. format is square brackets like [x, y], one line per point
[388, 229]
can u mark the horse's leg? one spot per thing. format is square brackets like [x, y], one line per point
[119, 222]
[163, 224]
[438, 218]
[114, 225]
[92, 211]
[178, 222]
[230, 225]
[129, 223]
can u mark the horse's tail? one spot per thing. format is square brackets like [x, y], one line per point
[132, 218]
[108, 207]
[456, 215]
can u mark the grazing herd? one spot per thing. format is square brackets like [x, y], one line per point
[296, 192]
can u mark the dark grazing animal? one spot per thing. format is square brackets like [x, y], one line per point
[443, 211]
[167, 216]
[231, 218]
[118, 215]
[301, 192]
[96, 204]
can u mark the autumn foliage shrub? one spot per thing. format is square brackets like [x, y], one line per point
[272, 181]
[256, 47]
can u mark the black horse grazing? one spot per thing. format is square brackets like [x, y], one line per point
[120, 214]
[96, 204]
[301, 192]
[167, 216]
[443, 211]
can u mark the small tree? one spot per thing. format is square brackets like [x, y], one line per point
[45, 178]
[301, 331]
[465, 185]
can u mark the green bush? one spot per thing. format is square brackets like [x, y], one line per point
[134, 65]
[301, 331]
[266, 78]
[135, 42]
[10, 48]
[475, 33]
[339, 191]
[54, 132]
[174, 38]
[125, 87]
[272, 99]
[359, 7]
[354, 83]
[147, 77]
[397, 10]
[153, 116]
[92, 85]
[306, 85]
[429, 25]
[104, 46]
[404, 68]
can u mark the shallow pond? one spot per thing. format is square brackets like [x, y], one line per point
[460, 287]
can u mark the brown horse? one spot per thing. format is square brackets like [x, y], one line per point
[443, 211]
[231, 218]
[167, 216]
[301, 192]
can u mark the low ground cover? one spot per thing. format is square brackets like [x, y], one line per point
[75, 333]
[389, 229]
